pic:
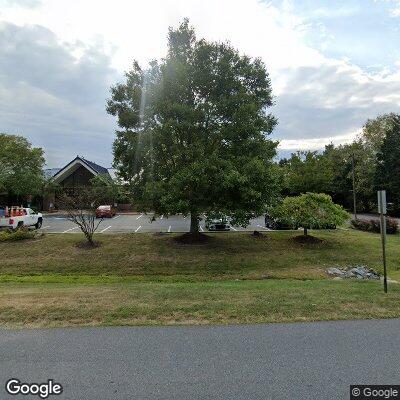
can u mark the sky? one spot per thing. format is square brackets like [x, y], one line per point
[333, 64]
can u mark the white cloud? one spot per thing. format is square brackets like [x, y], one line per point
[395, 11]
[138, 28]
[315, 144]
[318, 99]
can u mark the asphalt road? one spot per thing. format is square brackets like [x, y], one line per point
[281, 361]
[137, 223]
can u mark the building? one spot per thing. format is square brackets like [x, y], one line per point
[76, 174]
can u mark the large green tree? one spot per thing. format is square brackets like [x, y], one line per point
[194, 130]
[306, 171]
[375, 130]
[388, 164]
[21, 166]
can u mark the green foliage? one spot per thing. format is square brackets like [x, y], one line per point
[19, 234]
[20, 166]
[375, 130]
[109, 191]
[194, 130]
[331, 172]
[310, 210]
[388, 164]
[306, 171]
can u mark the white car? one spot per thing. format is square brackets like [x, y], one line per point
[20, 217]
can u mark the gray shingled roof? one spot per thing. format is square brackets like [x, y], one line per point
[98, 168]
[50, 172]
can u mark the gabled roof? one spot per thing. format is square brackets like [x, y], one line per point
[94, 168]
[98, 168]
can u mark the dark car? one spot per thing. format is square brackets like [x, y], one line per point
[105, 212]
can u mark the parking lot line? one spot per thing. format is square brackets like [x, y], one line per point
[70, 229]
[45, 227]
[108, 227]
[201, 229]
[162, 216]
[117, 216]
[169, 228]
[234, 228]
[140, 216]
[138, 228]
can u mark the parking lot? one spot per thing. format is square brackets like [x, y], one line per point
[139, 223]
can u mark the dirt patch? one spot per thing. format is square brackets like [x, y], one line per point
[307, 239]
[257, 235]
[192, 238]
[87, 245]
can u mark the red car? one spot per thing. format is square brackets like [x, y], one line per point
[105, 212]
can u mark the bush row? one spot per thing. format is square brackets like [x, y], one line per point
[373, 225]
[19, 234]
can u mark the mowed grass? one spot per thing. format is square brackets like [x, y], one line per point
[222, 302]
[145, 279]
[227, 256]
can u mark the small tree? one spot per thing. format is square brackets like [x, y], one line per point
[310, 210]
[81, 210]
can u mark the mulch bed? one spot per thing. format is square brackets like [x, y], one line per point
[87, 246]
[192, 238]
[257, 235]
[307, 239]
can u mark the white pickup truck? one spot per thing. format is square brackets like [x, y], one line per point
[22, 217]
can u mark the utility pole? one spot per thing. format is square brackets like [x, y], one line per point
[354, 187]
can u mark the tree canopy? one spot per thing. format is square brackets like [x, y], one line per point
[387, 175]
[194, 130]
[21, 166]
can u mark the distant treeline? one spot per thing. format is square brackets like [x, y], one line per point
[376, 157]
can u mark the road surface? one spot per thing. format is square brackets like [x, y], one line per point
[281, 361]
[140, 223]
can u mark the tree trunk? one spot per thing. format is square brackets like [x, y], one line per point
[305, 232]
[194, 223]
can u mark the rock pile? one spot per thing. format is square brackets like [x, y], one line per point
[358, 272]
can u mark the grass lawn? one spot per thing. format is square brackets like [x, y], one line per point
[147, 279]
[151, 303]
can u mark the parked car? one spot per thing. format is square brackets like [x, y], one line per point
[17, 217]
[105, 212]
[218, 224]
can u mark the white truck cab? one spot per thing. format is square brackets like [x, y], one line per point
[18, 217]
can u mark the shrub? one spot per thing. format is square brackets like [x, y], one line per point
[373, 225]
[19, 234]
[310, 211]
